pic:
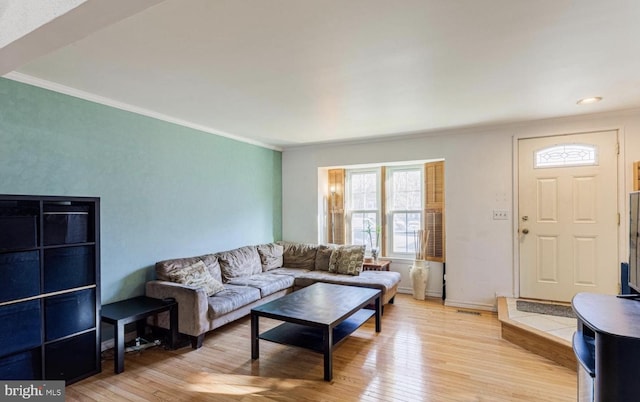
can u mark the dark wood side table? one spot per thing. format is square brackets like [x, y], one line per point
[378, 265]
[137, 310]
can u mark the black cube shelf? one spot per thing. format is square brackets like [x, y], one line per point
[49, 287]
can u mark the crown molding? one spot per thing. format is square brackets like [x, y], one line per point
[469, 129]
[52, 86]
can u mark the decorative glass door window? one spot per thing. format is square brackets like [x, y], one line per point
[566, 155]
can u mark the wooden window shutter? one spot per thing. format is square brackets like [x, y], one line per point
[434, 210]
[336, 227]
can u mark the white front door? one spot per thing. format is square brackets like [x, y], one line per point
[568, 215]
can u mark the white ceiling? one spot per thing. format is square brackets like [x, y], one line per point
[288, 72]
[19, 17]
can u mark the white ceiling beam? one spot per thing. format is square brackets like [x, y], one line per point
[77, 23]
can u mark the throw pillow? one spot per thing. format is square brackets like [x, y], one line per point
[323, 256]
[210, 261]
[270, 256]
[347, 260]
[198, 276]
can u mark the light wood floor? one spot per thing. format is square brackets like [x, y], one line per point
[425, 352]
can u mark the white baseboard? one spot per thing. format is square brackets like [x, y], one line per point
[409, 291]
[472, 306]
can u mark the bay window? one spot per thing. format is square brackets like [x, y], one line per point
[383, 207]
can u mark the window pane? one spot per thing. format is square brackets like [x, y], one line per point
[360, 222]
[405, 191]
[364, 187]
[405, 225]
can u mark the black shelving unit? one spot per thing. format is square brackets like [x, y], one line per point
[607, 347]
[49, 287]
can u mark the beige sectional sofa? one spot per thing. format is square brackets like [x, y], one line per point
[252, 275]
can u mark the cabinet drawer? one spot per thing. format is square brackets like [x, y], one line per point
[20, 327]
[19, 275]
[68, 268]
[66, 225]
[22, 366]
[72, 358]
[69, 313]
[17, 232]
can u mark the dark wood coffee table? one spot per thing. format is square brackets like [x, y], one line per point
[317, 317]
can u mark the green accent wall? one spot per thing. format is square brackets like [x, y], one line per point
[166, 191]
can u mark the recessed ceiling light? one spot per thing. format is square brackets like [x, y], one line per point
[586, 101]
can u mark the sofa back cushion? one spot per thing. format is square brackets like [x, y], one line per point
[243, 261]
[299, 255]
[347, 260]
[163, 268]
[270, 256]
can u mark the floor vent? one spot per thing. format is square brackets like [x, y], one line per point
[468, 312]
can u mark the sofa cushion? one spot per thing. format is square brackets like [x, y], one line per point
[270, 256]
[293, 272]
[323, 255]
[266, 282]
[230, 299]
[347, 260]
[163, 268]
[243, 261]
[299, 255]
[197, 276]
[383, 280]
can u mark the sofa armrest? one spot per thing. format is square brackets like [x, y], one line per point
[193, 306]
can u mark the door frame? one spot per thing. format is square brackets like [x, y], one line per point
[621, 191]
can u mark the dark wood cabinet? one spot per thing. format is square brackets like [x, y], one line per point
[49, 287]
[607, 347]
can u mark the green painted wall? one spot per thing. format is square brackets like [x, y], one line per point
[166, 191]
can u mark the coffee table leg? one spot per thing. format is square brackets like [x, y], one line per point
[378, 314]
[255, 351]
[328, 356]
